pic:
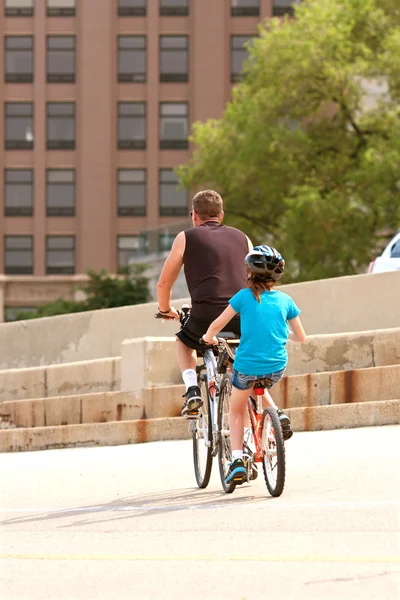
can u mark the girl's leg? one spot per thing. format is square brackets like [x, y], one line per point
[237, 419]
[268, 401]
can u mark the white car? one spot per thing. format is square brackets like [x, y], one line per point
[389, 260]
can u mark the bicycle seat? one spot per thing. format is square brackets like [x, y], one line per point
[262, 383]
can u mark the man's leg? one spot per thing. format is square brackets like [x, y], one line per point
[187, 360]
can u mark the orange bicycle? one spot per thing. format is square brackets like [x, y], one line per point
[265, 443]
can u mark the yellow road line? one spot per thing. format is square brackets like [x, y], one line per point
[134, 557]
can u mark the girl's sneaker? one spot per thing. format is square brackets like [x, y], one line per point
[237, 472]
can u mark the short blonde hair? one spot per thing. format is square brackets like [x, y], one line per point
[208, 204]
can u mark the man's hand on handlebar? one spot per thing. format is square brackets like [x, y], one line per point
[171, 314]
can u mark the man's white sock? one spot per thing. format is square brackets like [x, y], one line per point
[237, 454]
[189, 378]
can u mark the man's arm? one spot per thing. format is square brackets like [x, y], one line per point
[170, 272]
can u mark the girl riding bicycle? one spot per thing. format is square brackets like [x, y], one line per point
[264, 317]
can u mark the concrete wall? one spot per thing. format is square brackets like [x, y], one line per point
[84, 377]
[345, 304]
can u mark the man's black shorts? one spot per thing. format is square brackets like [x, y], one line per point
[193, 329]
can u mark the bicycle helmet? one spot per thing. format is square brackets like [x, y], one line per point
[266, 261]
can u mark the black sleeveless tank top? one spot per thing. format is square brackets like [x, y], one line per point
[214, 267]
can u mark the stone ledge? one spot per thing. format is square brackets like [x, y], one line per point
[152, 430]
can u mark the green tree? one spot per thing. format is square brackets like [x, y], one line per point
[301, 159]
[102, 290]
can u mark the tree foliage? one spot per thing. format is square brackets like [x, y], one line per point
[102, 291]
[302, 160]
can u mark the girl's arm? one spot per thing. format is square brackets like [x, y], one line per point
[298, 333]
[218, 324]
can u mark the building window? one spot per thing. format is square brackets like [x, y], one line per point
[283, 7]
[18, 255]
[60, 58]
[174, 58]
[60, 254]
[170, 8]
[173, 125]
[239, 54]
[131, 192]
[132, 58]
[60, 192]
[18, 8]
[245, 8]
[165, 241]
[18, 125]
[18, 192]
[173, 201]
[61, 8]
[131, 247]
[60, 125]
[132, 8]
[132, 125]
[19, 58]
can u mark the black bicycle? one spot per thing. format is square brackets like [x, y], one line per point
[210, 430]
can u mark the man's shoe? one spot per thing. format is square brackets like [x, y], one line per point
[237, 472]
[193, 402]
[285, 424]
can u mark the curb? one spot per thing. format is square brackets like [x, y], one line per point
[114, 433]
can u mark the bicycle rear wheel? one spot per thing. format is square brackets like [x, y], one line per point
[224, 446]
[202, 438]
[273, 449]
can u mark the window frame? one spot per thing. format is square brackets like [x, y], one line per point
[19, 144]
[23, 211]
[174, 11]
[236, 77]
[22, 270]
[173, 144]
[159, 244]
[173, 77]
[60, 270]
[281, 11]
[245, 11]
[133, 211]
[171, 211]
[60, 144]
[131, 77]
[60, 77]
[132, 144]
[144, 236]
[24, 77]
[132, 11]
[61, 211]
[62, 11]
[19, 11]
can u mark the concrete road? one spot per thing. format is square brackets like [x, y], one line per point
[128, 522]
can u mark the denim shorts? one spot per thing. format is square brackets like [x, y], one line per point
[244, 382]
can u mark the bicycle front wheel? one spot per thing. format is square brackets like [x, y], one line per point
[273, 449]
[224, 446]
[202, 438]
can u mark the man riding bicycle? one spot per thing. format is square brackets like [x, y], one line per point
[212, 255]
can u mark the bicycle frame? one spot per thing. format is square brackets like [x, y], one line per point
[255, 414]
[213, 382]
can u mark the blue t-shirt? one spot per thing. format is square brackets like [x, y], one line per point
[265, 332]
